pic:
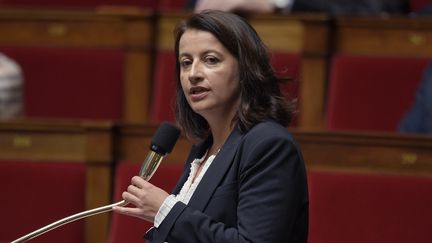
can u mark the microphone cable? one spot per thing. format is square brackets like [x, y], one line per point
[162, 143]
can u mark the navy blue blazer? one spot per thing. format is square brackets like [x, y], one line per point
[254, 191]
[419, 118]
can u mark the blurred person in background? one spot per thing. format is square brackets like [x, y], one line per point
[332, 7]
[419, 118]
[11, 89]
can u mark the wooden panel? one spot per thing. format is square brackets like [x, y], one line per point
[81, 142]
[38, 146]
[363, 152]
[279, 32]
[53, 141]
[395, 36]
[312, 93]
[75, 29]
[166, 23]
[306, 34]
[98, 193]
[129, 31]
[368, 152]
[137, 87]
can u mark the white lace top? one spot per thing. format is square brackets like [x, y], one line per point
[187, 190]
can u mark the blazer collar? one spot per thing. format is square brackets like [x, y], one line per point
[215, 172]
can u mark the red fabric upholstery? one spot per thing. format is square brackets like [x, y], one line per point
[418, 5]
[371, 93]
[171, 4]
[71, 83]
[129, 229]
[35, 194]
[358, 208]
[164, 85]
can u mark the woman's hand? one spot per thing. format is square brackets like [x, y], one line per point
[146, 198]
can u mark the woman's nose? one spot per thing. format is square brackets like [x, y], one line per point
[195, 72]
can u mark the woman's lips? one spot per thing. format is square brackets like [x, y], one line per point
[198, 93]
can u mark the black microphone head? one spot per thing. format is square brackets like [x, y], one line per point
[165, 138]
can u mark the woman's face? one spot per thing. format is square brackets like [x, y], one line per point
[208, 74]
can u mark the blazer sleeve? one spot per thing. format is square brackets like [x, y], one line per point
[272, 198]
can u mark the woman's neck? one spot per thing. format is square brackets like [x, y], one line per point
[220, 133]
[221, 125]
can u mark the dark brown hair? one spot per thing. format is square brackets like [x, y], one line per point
[261, 97]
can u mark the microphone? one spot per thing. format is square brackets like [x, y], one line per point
[161, 144]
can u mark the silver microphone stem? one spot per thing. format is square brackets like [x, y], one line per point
[149, 167]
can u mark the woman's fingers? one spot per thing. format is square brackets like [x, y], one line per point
[146, 198]
[130, 198]
[134, 212]
[139, 182]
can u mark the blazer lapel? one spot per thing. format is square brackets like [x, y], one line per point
[215, 172]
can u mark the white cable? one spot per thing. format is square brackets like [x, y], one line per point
[69, 219]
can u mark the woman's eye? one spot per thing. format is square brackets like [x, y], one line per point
[185, 63]
[211, 60]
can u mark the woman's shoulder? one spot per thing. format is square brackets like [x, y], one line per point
[269, 128]
[268, 131]
[268, 137]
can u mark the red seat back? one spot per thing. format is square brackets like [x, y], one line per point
[418, 5]
[171, 4]
[36, 194]
[371, 93]
[71, 83]
[164, 86]
[358, 208]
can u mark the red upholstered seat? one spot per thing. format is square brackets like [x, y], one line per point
[371, 93]
[171, 4]
[71, 83]
[164, 85]
[418, 5]
[358, 208]
[129, 229]
[35, 194]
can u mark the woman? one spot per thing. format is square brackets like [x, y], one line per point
[246, 180]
